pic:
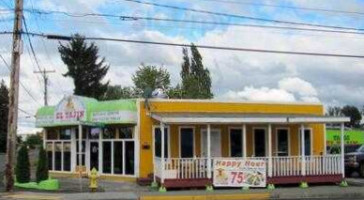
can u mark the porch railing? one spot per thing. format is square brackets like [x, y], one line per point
[195, 168]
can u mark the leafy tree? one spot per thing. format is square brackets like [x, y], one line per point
[196, 80]
[334, 111]
[4, 110]
[34, 140]
[85, 67]
[22, 169]
[148, 78]
[117, 92]
[354, 114]
[42, 167]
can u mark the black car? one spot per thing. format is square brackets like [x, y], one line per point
[354, 161]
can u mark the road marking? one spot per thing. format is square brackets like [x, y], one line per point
[259, 196]
[28, 196]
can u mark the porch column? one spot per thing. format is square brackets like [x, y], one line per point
[100, 151]
[342, 150]
[303, 162]
[162, 153]
[79, 145]
[208, 151]
[270, 161]
[243, 129]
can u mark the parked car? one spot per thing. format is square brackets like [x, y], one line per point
[354, 161]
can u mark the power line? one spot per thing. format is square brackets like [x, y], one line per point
[240, 16]
[21, 83]
[136, 18]
[65, 37]
[286, 7]
[31, 45]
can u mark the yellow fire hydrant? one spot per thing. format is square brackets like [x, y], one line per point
[93, 180]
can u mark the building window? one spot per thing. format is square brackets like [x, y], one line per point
[308, 147]
[58, 156]
[109, 133]
[186, 141]
[282, 142]
[129, 157]
[236, 143]
[126, 132]
[118, 157]
[259, 142]
[66, 156]
[106, 157]
[49, 149]
[94, 133]
[80, 152]
[65, 134]
[52, 134]
[158, 142]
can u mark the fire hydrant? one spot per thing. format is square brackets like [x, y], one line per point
[93, 180]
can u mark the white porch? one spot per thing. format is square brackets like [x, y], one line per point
[197, 171]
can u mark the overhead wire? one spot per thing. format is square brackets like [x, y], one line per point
[246, 17]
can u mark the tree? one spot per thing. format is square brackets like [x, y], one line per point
[196, 80]
[354, 114]
[334, 111]
[118, 92]
[148, 78]
[22, 169]
[34, 140]
[4, 110]
[85, 67]
[42, 167]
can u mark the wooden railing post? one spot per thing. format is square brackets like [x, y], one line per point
[342, 150]
[208, 151]
[270, 161]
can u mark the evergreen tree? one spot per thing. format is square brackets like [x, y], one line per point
[42, 167]
[196, 80]
[85, 67]
[22, 169]
[148, 78]
[4, 110]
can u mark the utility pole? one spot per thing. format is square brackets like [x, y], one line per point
[14, 96]
[45, 78]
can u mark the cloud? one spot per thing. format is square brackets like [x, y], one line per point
[291, 89]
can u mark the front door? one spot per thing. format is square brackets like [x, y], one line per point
[259, 142]
[94, 155]
[215, 147]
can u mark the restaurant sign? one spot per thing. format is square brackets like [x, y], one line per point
[239, 173]
[69, 110]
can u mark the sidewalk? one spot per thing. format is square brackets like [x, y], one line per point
[313, 192]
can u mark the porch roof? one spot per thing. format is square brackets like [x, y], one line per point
[240, 118]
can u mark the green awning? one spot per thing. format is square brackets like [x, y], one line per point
[72, 110]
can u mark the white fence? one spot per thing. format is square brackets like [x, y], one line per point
[195, 168]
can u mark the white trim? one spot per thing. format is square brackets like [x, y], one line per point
[137, 142]
[201, 138]
[168, 139]
[194, 139]
[325, 142]
[288, 137]
[218, 120]
[311, 138]
[319, 119]
[265, 137]
[232, 101]
[242, 139]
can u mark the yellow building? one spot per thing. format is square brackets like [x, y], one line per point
[257, 143]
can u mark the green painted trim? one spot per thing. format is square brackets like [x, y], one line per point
[271, 187]
[209, 188]
[245, 188]
[344, 184]
[162, 189]
[303, 185]
[154, 185]
[50, 184]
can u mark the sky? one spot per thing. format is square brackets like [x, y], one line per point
[235, 75]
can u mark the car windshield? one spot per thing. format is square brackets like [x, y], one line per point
[360, 149]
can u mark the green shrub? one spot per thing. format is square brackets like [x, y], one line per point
[22, 169]
[42, 167]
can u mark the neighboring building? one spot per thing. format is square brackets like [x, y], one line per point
[123, 140]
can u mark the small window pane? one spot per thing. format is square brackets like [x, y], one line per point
[65, 134]
[67, 156]
[58, 156]
[109, 133]
[126, 132]
[52, 134]
[129, 158]
[118, 157]
[282, 142]
[49, 149]
[94, 133]
[186, 142]
[106, 157]
[236, 148]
